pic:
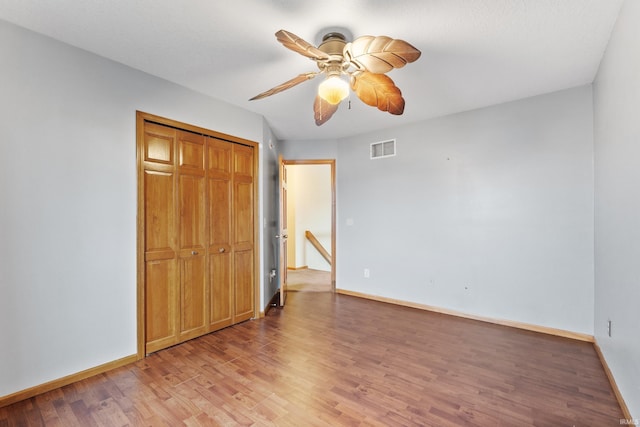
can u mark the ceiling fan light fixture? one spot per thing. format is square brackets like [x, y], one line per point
[333, 89]
[364, 60]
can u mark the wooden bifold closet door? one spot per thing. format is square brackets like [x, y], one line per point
[198, 196]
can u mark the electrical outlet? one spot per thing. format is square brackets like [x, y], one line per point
[367, 273]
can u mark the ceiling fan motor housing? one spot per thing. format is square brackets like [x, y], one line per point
[333, 44]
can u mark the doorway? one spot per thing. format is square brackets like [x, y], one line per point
[311, 213]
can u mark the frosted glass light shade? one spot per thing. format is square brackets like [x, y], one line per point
[333, 90]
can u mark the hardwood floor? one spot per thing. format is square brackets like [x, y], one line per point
[309, 280]
[328, 359]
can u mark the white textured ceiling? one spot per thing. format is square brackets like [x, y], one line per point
[475, 53]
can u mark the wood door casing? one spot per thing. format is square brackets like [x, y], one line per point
[196, 238]
[283, 235]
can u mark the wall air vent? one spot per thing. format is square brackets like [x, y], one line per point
[383, 149]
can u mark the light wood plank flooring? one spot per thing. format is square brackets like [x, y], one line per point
[337, 360]
[308, 280]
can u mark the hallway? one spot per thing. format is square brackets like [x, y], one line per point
[308, 280]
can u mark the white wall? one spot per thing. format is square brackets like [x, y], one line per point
[292, 242]
[270, 215]
[309, 191]
[488, 212]
[309, 150]
[68, 195]
[617, 204]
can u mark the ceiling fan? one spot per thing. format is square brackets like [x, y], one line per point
[364, 61]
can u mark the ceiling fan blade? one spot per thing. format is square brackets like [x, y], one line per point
[286, 85]
[296, 44]
[322, 110]
[378, 90]
[380, 54]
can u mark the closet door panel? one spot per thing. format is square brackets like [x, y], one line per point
[192, 214]
[159, 215]
[198, 212]
[219, 158]
[191, 153]
[219, 174]
[220, 214]
[160, 304]
[159, 145]
[192, 235]
[243, 305]
[243, 232]
[161, 275]
[193, 299]
[219, 253]
[243, 215]
[220, 291]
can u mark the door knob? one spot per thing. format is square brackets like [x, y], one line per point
[194, 252]
[221, 250]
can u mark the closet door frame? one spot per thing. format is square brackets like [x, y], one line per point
[141, 119]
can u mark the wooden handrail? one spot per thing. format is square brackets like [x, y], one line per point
[316, 244]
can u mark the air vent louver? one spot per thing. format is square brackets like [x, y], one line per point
[383, 149]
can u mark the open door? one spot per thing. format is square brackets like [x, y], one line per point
[283, 235]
